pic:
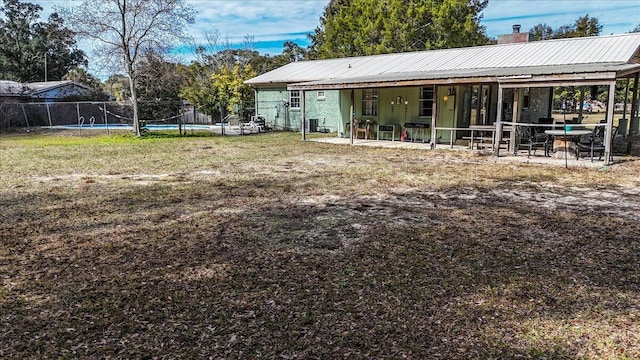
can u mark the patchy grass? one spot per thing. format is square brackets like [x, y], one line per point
[266, 247]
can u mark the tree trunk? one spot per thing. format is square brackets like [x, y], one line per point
[134, 104]
[134, 98]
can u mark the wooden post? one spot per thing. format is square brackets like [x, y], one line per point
[434, 115]
[633, 123]
[514, 118]
[609, 128]
[498, 134]
[580, 109]
[303, 121]
[626, 95]
[351, 118]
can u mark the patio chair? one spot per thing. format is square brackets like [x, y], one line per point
[534, 138]
[594, 143]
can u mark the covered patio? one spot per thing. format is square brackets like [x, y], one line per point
[519, 157]
[494, 106]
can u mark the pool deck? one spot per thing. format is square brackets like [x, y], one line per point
[216, 129]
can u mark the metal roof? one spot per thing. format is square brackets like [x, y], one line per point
[606, 71]
[597, 53]
[12, 88]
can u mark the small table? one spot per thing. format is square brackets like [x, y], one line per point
[481, 139]
[415, 129]
[564, 139]
[386, 129]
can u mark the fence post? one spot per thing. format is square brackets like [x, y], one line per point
[49, 116]
[25, 115]
[106, 123]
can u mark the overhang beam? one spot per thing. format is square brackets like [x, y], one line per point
[581, 79]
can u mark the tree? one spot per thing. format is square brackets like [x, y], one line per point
[368, 27]
[198, 88]
[636, 29]
[583, 26]
[542, 32]
[222, 92]
[292, 52]
[158, 87]
[586, 26]
[215, 83]
[124, 30]
[81, 76]
[117, 85]
[28, 46]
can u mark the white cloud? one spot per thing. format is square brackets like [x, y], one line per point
[614, 15]
[270, 21]
[260, 18]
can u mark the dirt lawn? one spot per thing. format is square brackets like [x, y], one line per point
[268, 247]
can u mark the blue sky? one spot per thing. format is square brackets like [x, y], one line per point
[272, 22]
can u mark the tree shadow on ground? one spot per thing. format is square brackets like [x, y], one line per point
[259, 270]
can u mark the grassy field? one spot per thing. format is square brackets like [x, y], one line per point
[269, 247]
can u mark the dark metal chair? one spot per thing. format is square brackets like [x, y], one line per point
[534, 138]
[594, 143]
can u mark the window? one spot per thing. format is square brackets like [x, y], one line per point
[426, 101]
[370, 102]
[294, 99]
[321, 95]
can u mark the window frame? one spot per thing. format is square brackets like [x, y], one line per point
[426, 103]
[370, 102]
[297, 98]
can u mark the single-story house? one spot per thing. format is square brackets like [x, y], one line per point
[446, 91]
[50, 91]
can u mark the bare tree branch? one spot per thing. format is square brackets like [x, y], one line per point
[126, 29]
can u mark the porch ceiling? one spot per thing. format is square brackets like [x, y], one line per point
[532, 76]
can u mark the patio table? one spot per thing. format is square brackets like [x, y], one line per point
[564, 140]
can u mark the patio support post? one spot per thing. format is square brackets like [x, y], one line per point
[626, 95]
[633, 124]
[351, 118]
[434, 114]
[609, 127]
[580, 108]
[515, 118]
[498, 134]
[303, 118]
[550, 107]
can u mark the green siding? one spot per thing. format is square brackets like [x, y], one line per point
[270, 104]
[388, 114]
[332, 112]
[326, 111]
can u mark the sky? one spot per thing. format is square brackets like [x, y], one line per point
[272, 22]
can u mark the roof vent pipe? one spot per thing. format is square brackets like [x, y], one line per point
[516, 28]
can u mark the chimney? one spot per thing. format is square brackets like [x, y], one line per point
[515, 37]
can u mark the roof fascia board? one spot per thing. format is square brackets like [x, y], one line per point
[266, 85]
[554, 83]
[388, 84]
[560, 77]
[629, 72]
[517, 81]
